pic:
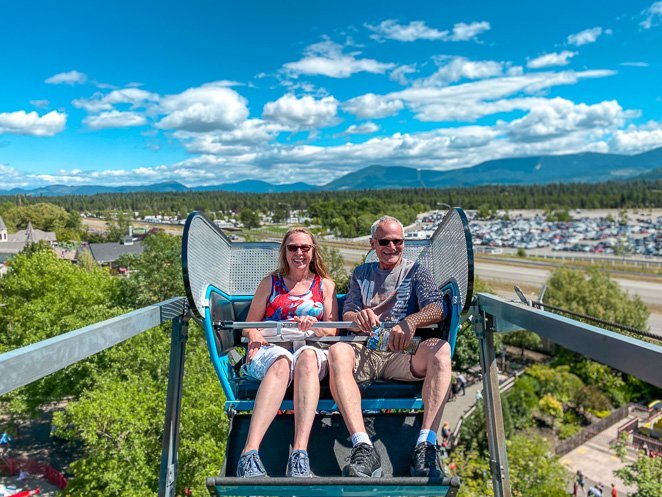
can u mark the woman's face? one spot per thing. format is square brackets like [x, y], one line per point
[299, 251]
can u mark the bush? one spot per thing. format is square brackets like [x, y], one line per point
[522, 402]
[568, 430]
[590, 397]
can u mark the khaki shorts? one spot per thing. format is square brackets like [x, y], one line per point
[376, 365]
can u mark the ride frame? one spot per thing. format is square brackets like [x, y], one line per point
[489, 315]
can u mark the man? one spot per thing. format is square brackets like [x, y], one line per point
[401, 295]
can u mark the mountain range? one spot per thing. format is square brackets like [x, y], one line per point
[586, 167]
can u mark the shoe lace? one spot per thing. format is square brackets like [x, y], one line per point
[360, 454]
[250, 463]
[427, 456]
[299, 463]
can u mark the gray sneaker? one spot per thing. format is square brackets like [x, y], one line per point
[250, 465]
[298, 465]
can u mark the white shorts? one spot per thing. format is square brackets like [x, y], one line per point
[322, 361]
[268, 354]
[264, 358]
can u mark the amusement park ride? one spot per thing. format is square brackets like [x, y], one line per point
[220, 277]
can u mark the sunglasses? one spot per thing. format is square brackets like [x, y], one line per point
[384, 242]
[304, 248]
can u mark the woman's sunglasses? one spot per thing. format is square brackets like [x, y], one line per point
[304, 248]
[384, 242]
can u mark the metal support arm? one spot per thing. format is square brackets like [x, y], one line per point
[496, 437]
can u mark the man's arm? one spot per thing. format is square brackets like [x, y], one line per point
[432, 310]
[353, 309]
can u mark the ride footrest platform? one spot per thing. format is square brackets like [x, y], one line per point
[333, 486]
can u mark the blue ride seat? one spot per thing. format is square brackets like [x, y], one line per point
[220, 277]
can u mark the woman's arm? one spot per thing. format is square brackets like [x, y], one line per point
[256, 313]
[330, 307]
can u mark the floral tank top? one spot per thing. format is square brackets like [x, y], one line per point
[283, 306]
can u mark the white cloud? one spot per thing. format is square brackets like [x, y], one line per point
[585, 37]
[362, 129]
[415, 30]
[371, 106]
[551, 59]
[205, 108]
[473, 100]
[637, 139]
[30, 123]
[418, 30]
[304, 112]
[326, 58]
[41, 104]
[557, 117]
[399, 74]
[635, 64]
[456, 68]
[135, 97]
[67, 78]
[114, 119]
[465, 32]
[653, 15]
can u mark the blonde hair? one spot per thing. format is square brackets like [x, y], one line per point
[317, 264]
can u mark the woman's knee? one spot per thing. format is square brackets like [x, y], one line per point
[281, 367]
[306, 362]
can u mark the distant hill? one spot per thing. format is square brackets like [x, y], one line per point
[257, 186]
[586, 167]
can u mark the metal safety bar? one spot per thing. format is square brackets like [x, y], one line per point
[235, 325]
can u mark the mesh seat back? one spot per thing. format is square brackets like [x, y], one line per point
[448, 254]
[210, 258]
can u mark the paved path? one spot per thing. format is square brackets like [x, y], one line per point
[598, 461]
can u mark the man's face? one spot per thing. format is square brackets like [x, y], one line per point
[389, 255]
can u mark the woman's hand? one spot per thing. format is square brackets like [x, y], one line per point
[304, 323]
[255, 341]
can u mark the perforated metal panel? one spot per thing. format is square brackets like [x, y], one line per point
[448, 254]
[210, 258]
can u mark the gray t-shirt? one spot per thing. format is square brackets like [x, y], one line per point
[392, 294]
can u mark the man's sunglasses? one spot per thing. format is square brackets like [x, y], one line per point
[384, 242]
[304, 248]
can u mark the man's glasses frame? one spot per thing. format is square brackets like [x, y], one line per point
[291, 247]
[385, 241]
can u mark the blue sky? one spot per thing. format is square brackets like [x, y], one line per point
[212, 92]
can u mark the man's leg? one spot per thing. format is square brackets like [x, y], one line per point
[344, 389]
[364, 460]
[433, 361]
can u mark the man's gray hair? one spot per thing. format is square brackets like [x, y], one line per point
[384, 219]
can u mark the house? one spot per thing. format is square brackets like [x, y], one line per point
[13, 243]
[105, 254]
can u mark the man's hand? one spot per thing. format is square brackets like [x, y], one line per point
[255, 341]
[366, 320]
[400, 337]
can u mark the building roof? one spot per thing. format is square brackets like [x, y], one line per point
[105, 253]
[31, 235]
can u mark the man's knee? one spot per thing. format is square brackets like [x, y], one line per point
[341, 356]
[437, 354]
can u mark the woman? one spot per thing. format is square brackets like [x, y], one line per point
[299, 290]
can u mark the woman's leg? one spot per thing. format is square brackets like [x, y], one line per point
[267, 401]
[306, 395]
